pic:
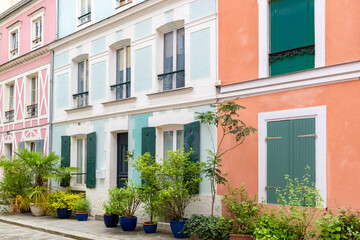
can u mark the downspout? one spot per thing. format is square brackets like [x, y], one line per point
[51, 101]
[57, 19]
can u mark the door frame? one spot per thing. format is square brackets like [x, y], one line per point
[319, 113]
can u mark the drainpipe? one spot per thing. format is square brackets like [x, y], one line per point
[57, 19]
[51, 101]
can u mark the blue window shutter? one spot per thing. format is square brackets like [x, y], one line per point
[21, 145]
[39, 145]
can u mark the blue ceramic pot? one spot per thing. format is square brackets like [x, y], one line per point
[177, 228]
[111, 220]
[63, 213]
[149, 227]
[82, 216]
[128, 224]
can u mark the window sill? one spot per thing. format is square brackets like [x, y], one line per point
[170, 92]
[30, 117]
[79, 109]
[84, 23]
[119, 101]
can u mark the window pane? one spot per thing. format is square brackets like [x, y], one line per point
[33, 90]
[168, 143]
[79, 162]
[179, 139]
[11, 98]
[180, 49]
[168, 52]
[81, 80]
[120, 66]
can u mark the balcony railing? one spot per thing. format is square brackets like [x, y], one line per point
[80, 99]
[32, 110]
[171, 80]
[85, 18]
[37, 40]
[14, 52]
[9, 115]
[122, 90]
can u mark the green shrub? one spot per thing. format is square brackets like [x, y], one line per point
[344, 225]
[128, 200]
[63, 200]
[243, 209]
[110, 206]
[82, 205]
[207, 227]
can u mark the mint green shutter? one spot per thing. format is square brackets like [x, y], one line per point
[192, 140]
[39, 145]
[65, 158]
[292, 26]
[91, 160]
[290, 148]
[148, 137]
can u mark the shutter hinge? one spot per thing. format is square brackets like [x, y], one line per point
[270, 187]
[273, 138]
[308, 135]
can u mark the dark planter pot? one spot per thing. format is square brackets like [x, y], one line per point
[128, 224]
[63, 213]
[177, 228]
[241, 237]
[81, 216]
[111, 220]
[149, 227]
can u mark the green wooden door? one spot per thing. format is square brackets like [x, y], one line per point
[291, 27]
[290, 148]
[91, 160]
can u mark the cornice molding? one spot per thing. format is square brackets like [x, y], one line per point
[21, 60]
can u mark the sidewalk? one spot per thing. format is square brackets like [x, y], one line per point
[89, 230]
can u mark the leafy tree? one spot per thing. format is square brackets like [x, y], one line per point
[225, 117]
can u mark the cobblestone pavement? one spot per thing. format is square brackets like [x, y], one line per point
[12, 232]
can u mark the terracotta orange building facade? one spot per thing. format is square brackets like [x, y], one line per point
[295, 67]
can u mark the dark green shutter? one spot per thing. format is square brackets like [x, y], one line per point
[290, 148]
[192, 140]
[21, 145]
[65, 158]
[39, 145]
[292, 26]
[148, 136]
[91, 160]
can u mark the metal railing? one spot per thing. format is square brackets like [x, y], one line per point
[122, 90]
[171, 80]
[32, 110]
[9, 115]
[80, 99]
[85, 17]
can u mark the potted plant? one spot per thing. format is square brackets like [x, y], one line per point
[63, 203]
[128, 202]
[149, 190]
[243, 210]
[179, 180]
[38, 198]
[111, 216]
[82, 207]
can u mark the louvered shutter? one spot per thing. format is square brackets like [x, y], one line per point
[91, 160]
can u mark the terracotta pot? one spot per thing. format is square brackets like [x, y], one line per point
[241, 237]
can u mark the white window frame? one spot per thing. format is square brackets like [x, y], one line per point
[29, 85]
[79, 6]
[73, 159]
[319, 113]
[161, 31]
[7, 151]
[160, 133]
[125, 69]
[264, 36]
[14, 52]
[86, 83]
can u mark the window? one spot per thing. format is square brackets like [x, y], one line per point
[173, 140]
[174, 61]
[14, 44]
[31, 146]
[123, 73]
[292, 36]
[37, 32]
[8, 150]
[85, 11]
[81, 97]
[32, 109]
[81, 160]
[123, 2]
[9, 114]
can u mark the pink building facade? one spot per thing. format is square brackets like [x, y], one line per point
[26, 29]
